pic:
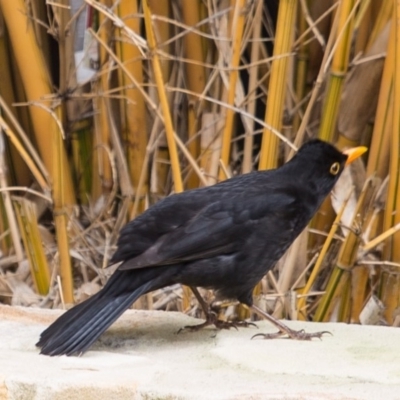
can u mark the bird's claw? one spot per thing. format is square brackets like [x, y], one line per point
[233, 324]
[292, 334]
[243, 324]
[211, 319]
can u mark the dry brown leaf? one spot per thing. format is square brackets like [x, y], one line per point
[352, 176]
[22, 294]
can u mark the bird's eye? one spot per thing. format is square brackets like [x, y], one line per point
[335, 168]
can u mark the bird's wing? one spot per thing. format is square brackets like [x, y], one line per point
[174, 212]
[218, 229]
[142, 232]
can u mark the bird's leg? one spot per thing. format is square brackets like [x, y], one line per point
[211, 314]
[202, 302]
[283, 329]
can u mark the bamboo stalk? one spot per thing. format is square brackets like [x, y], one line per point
[379, 149]
[359, 284]
[237, 24]
[385, 13]
[82, 148]
[169, 129]
[161, 31]
[379, 239]
[390, 284]
[63, 25]
[196, 80]
[25, 156]
[102, 183]
[27, 221]
[362, 26]
[160, 10]
[345, 298]
[253, 81]
[64, 112]
[392, 208]
[43, 175]
[285, 29]
[134, 129]
[65, 38]
[18, 169]
[301, 63]
[339, 68]
[7, 204]
[61, 218]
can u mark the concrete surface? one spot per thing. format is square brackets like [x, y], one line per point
[142, 357]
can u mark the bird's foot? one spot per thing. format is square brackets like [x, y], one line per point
[212, 319]
[292, 334]
[219, 324]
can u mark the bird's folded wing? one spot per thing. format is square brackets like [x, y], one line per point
[207, 234]
[218, 229]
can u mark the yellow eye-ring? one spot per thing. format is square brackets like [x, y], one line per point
[335, 168]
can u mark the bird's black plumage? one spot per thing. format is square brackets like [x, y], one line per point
[224, 237]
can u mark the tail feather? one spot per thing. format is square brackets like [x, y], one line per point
[73, 314]
[77, 329]
[78, 333]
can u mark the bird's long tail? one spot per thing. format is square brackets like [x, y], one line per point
[77, 329]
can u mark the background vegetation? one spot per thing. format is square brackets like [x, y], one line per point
[182, 94]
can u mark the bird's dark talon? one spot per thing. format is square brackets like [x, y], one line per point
[269, 335]
[245, 324]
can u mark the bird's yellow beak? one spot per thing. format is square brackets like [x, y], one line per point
[354, 153]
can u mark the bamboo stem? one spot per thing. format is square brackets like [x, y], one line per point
[237, 34]
[196, 80]
[134, 128]
[253, 78]
[339, 68]
[285, 29]
[169, 129]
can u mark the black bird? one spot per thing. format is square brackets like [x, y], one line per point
[224, 237]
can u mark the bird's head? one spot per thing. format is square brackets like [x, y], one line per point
[321, 164]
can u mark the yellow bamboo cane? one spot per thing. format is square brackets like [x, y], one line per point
[134, 129]
[285, 29]
[169, 129]
[390, 283]
[237, 34]
[196, 78]
[339, 68]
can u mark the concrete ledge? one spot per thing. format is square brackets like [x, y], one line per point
[142, 357]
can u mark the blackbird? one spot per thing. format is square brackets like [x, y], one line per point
[224, 237]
